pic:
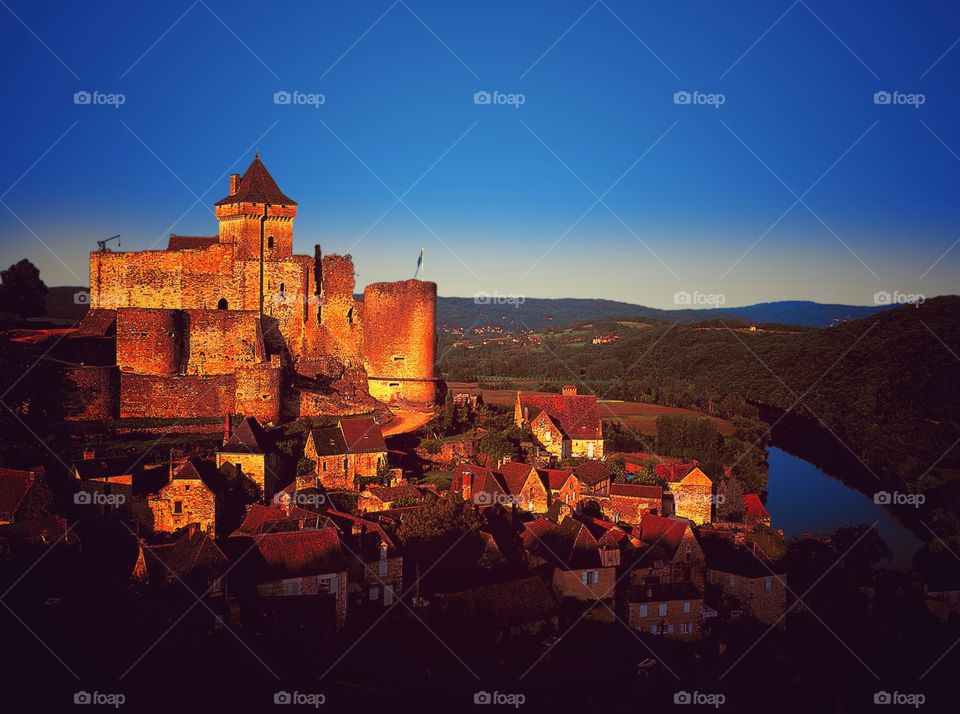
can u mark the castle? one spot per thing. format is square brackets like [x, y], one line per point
[236, 323]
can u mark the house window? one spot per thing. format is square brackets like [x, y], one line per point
[382, 567]
[643, 611]
[566, 498]
[327, 585]
[670, 628]
[547, 437]
[324, 465]
[283, 289]
[768, 584]
[346, 463]
[270, 242]
[590, 577]
[731, 583]
[685, 628]
[686, 607]
[374, 593]
[655, 629]
[292, 588]
[178, 507]
[616, 517]
[590, 450]
[662, 609]
[187, 487]
[350, 316]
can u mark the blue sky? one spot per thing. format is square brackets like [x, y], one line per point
[504, 198]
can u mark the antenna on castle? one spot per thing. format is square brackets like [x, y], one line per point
[102, 244]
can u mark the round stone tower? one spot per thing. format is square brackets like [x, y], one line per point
[399, 341]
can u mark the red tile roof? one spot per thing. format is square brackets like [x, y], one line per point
[257, 186]
[662, 532]
[578, 416]
[485, 489]
[190, 242]
[555, 478]
[755, 507]
[633, 490]
[300, 553]
[515, 475]
[592, 472]
[362, 435]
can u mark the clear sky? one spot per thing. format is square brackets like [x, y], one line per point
[797, 186]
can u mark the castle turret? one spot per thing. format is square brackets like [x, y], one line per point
[399, 341]
[257, 216]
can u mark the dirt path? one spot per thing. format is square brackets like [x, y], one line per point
[406, 421]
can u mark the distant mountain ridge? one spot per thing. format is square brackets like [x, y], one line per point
[538, 313]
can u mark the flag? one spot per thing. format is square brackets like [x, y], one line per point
[419, 265]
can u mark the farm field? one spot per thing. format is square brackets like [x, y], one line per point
[637, 416]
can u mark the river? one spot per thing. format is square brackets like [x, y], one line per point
[802, 498]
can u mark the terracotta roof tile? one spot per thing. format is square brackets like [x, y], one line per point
[257, 186]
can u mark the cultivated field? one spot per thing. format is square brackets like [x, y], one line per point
[637, 416]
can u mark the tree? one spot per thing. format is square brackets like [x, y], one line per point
[22, 292]
[306, 466]
[730, 507]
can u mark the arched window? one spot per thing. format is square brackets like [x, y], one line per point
[270, 242]
[222, 304]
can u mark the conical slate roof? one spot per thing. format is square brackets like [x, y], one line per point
[257, 186]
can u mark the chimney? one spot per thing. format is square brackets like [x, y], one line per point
[569, 390]
[227, 429]
[234, 184]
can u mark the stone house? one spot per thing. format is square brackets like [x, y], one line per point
[563, 485]
[566, 425]
[194, 558]
[578, 571]
[251, 452]
[673, 610]
[595, 478]
[345, 455]
[693, 497]
[374, 562]
[260, 520]
[628, 502]
[106, 487]
[525, 485]
[295, 564]
[740, 578]
[481, 486]
[189, 496]
[669, 553]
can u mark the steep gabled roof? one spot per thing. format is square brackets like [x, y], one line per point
[485, 489]
[663, 533]
[569, 545]
[194, 552]
[257, 186]
[266, 519]
[555, 478]
[249, 438]
[515, 475]
[578, 415]
[755, 507]
[350, 436]
[362, 435]
[592, 472]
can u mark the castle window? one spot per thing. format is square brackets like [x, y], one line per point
[282, 289]
[270, 242]
[222, 304]
[399, 358]
[394, 385]
[345, 463]
[350, 316]
[178, 506]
